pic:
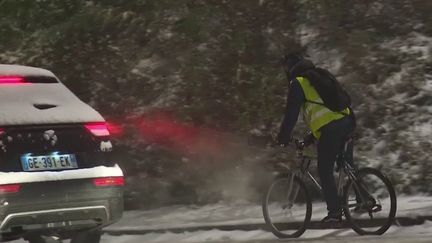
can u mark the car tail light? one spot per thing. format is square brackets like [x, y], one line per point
[12, 80]
[109, 181]
[98, 129]
[11, 188]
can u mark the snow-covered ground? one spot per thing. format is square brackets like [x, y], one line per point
[412, 234]
[419, 233]
[177, 217]
[235, 214]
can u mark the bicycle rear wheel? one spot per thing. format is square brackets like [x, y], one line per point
[287, 207]
[370, 202]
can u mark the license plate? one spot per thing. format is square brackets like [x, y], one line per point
[49, 162]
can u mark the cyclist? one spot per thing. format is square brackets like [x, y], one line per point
[329, 128]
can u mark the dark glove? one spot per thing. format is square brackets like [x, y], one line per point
[282, 140]
[308, 139]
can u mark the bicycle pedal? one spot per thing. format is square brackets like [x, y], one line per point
[376, 208]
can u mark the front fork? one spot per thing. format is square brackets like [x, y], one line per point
[292, 190]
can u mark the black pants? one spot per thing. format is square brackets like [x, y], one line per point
[333, 137]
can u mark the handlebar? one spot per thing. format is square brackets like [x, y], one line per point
[300, 144]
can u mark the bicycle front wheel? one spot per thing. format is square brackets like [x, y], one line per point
[287, 207]
[370, 202]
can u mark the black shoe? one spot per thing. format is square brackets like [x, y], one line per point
[332, 218]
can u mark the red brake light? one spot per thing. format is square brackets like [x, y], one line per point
[109, 181]
[12, 188]
[12, 80]
[98, 129]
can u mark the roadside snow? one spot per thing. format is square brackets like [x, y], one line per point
[25, 177]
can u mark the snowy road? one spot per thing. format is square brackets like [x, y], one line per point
[194, 224]
[414, 234]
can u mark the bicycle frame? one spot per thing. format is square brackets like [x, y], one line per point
[345, 170]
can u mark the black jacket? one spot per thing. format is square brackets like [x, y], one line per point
[295, 100]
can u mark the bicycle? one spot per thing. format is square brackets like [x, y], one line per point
[368, 197]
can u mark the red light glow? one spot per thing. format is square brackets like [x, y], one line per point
[164, 131]
[12, 188]
[114, 129]
[98, 129]
[12, 80]
[109, 181]
[183, 138]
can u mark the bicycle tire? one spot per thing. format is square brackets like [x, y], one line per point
[299, 226]
[382, 228]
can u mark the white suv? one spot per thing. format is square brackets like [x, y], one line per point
[57, 178]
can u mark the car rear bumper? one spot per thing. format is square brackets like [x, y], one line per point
[61, 207]
[57, 218]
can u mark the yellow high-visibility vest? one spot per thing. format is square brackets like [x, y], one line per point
[317, 115]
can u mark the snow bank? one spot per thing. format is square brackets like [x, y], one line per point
[25, 177]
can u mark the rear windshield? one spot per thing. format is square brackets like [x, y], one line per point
[40, 79]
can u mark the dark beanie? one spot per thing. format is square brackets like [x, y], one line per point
[291, 59]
